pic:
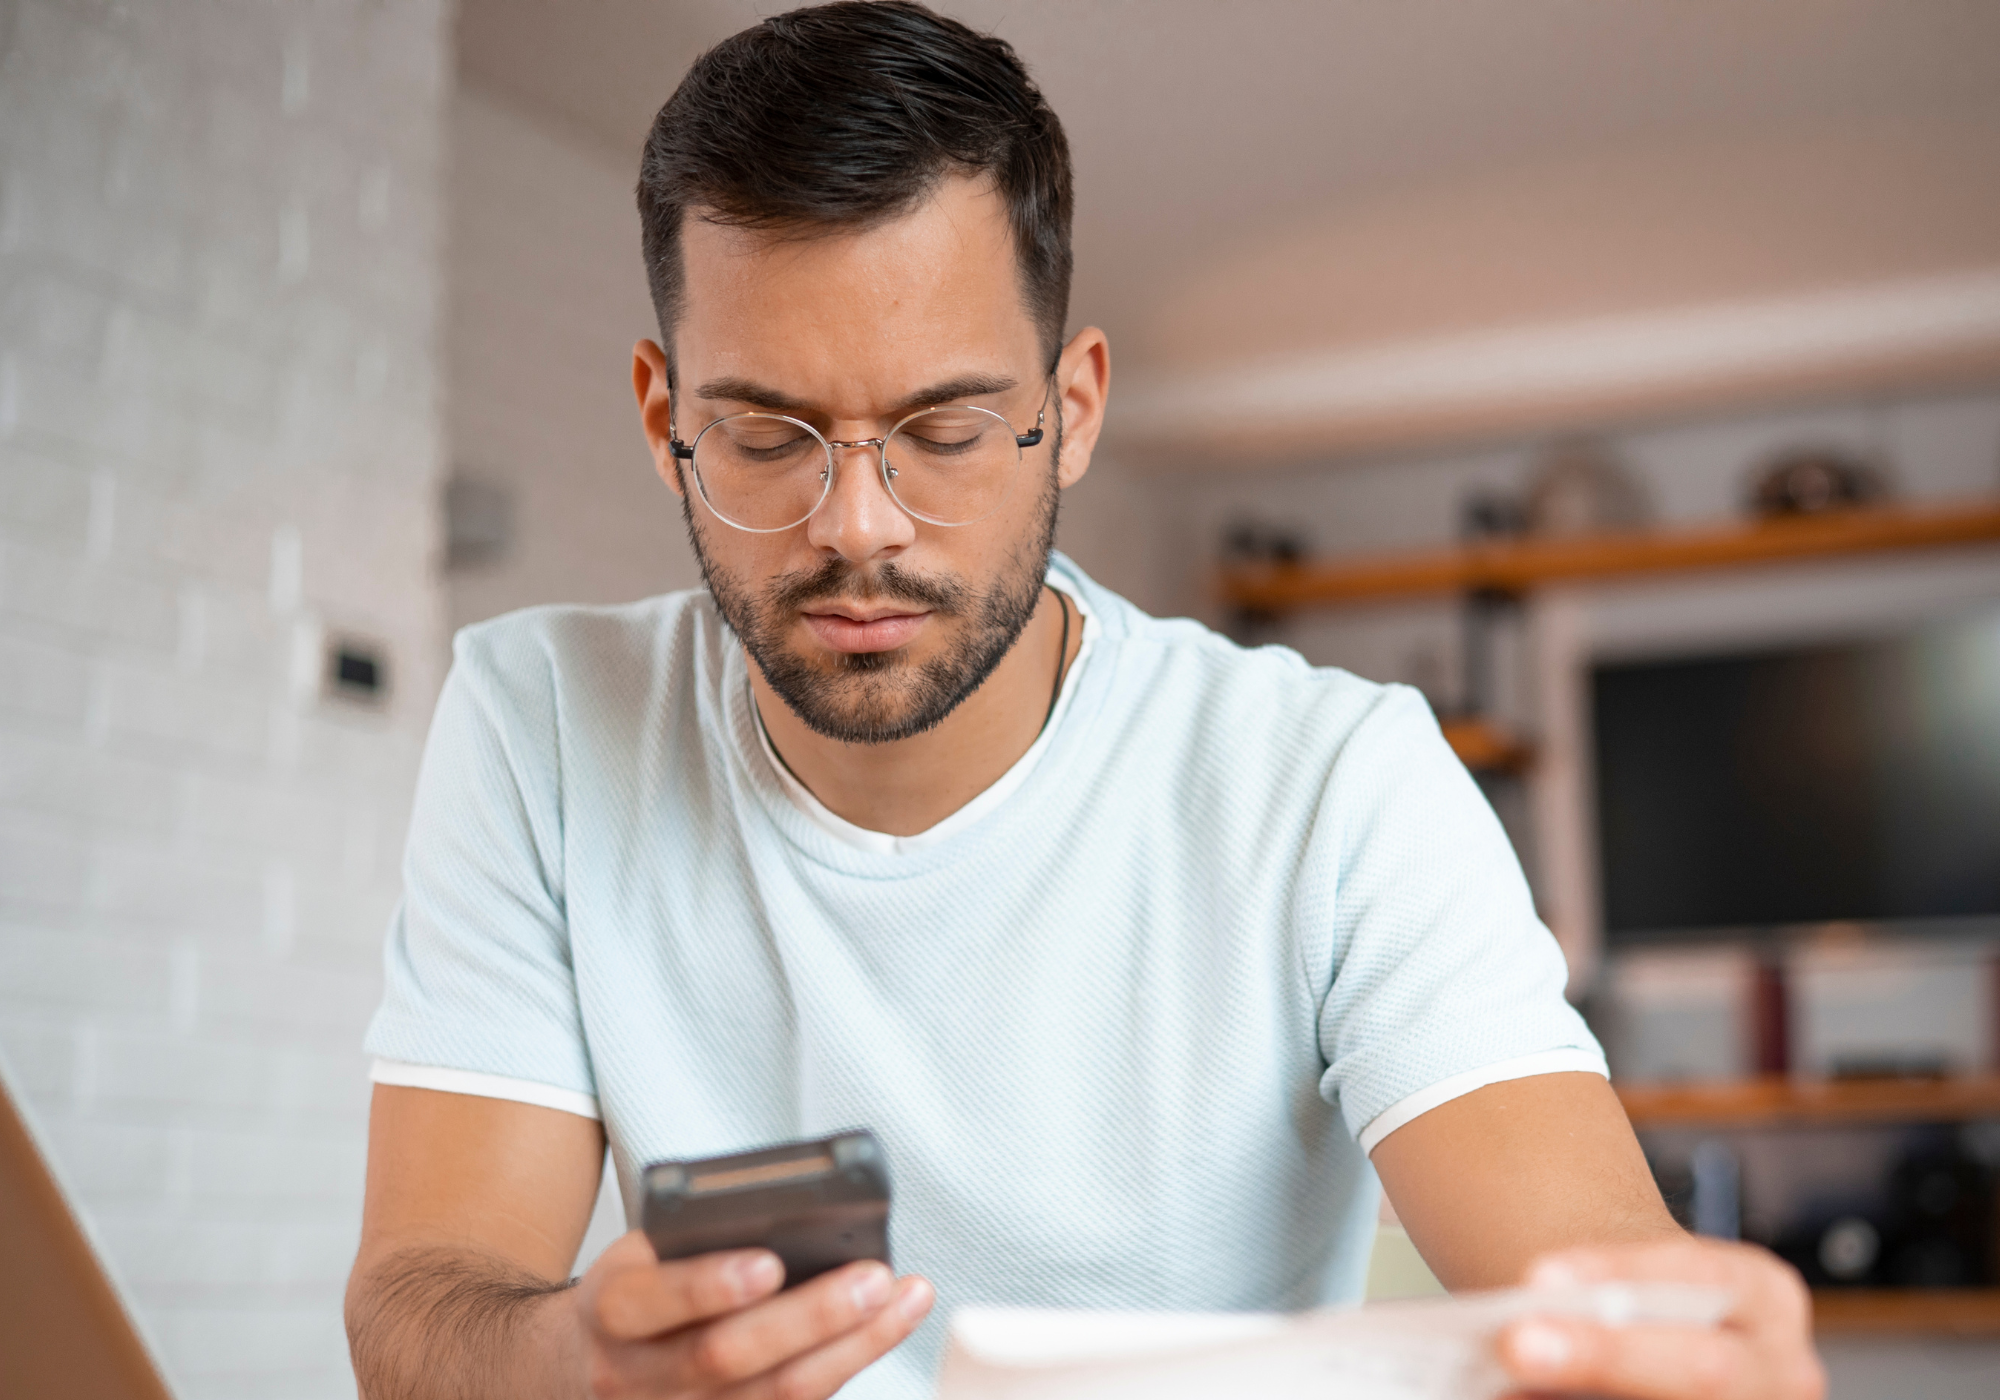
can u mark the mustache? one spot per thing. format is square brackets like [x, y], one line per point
[838, 579]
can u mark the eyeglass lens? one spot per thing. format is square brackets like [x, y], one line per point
[952, 465]
[949, 466]
[759, 471]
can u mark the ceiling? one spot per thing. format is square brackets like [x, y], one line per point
[1273, 182]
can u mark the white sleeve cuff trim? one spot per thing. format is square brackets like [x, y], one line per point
[484, 1086]
[1445, 1090]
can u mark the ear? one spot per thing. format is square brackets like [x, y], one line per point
[1083, 380]
[656, 408]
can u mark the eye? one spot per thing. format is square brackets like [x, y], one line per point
[948, 434]
[762, 440]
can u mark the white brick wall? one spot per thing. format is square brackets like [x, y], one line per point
[218, 444]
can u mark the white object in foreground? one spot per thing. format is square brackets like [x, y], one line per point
[1427, 1349]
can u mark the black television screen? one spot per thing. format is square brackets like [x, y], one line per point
[1858, 780]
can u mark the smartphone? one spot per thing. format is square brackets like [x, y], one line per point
[816, 1205]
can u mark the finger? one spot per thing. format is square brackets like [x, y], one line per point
[821, 1372]
[1767, 1293]
[1636, 1363]
[755, 1340]
[638, 1296]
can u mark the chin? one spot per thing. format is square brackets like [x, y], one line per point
[871, 663]
[870, 697]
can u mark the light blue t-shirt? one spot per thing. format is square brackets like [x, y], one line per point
[1124, 1031]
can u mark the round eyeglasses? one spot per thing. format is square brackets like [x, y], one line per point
[765, 472]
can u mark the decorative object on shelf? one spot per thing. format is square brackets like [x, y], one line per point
[1482, 745]
[1891, 1064]
[1256, 544]
[1716, 1209]
[1929, 1226]
[1581, 488]
[1805, 481]
[1848, 1249]
[1486, 514]
[1770, 1017]
[1941, 1206]
[1841, 1248]
[1247, 541]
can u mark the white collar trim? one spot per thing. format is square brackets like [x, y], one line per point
[1003, 787]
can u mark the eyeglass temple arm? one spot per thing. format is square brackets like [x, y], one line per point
[1033, 437]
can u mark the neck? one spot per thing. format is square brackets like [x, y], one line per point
[911, 785]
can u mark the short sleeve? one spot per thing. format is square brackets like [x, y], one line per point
[479, 974]
[1443, 977]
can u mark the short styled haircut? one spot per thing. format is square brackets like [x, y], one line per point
[846, 115]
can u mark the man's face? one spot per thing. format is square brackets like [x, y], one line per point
[869, 624]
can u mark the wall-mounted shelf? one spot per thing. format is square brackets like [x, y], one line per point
[1928, 1312]
[1515, 567]
[1486, 747]
[1782, 1102]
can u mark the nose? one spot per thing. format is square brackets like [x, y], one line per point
[859, 520]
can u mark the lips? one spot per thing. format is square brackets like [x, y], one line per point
[884, 633]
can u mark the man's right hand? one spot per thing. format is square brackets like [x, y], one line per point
[717, 1324]
[476, 1208]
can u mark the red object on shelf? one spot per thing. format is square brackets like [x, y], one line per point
[1993, 1013]
[1770, 1017]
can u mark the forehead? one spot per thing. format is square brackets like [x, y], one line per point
[848, 314]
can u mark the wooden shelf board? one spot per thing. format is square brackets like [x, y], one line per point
[1485, 747]
[1517, 566]
[1933, 1312]
[1780, 1102]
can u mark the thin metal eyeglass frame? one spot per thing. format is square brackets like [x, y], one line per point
[684, 451]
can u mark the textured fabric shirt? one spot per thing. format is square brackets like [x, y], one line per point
[1126, 1030]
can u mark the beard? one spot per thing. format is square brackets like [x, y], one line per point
[882, 696]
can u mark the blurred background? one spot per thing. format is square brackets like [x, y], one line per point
[1625, 377]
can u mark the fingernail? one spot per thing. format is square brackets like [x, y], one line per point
[754, 1273]
[916, 1300]
[1541, 1348]
[871, 1287]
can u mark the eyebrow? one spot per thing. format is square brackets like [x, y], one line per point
[964, 386]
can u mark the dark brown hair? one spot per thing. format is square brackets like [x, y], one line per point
[846, 115]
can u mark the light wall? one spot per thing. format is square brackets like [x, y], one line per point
[1852, 257]
[218, 446]
[546, 295]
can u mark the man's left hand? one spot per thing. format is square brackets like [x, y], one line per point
[1762, 1351]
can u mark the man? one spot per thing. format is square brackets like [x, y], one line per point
[1133, 947]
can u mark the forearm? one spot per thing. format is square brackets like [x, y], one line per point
[434, 1323]
[1488, 1182]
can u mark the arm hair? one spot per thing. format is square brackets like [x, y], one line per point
[430, 1323]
